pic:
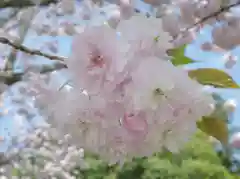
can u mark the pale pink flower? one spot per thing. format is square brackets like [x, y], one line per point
[230, 105]
[86, 11]
[114, 18]
[126, 8]
[145, 35]
[97, 54]
[147, 83]
[176, 101]
[153, 99]
[69, 28]
[67, 6]
[2, 62]
[125, 97]
[136, 124]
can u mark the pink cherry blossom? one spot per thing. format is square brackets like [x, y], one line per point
[145, 35]
[126, 8]
[96, 56]
[126, 94]
[135, 124]
[114, 18]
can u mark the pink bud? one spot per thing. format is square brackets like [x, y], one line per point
[126, 9]
[207, 46]
[235, 140]
[114, 19]
[86, 17]
[230, 105]
[230, 61]
[68, 6]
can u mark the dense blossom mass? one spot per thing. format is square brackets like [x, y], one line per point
[41, 154]
[126, 94]
[125, 98]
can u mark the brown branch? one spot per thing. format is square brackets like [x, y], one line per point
[10, 77]
[25, 49]
[4, 160]
[23, 32]
[23, 3]
[215, 14]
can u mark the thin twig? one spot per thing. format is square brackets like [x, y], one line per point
[4, 160]
[63, 85]
[23, 29]
[25, 49]
[10, 77]
[214, 14]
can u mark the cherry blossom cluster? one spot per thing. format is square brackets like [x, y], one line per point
[184, 19]
[194, 15]
[126, 98]
[35, 149]
[42, 153]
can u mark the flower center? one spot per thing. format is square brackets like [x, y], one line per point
[135, 123]
[97, 61]
[158, 92]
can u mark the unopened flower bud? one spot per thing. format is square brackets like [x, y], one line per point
[235, 140]
[230, 105]
[230, 62]
[114, 19]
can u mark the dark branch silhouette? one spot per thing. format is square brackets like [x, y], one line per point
[23, 3]
[25, 49]
[212, 15]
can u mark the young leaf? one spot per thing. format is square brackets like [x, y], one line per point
[213, 77]
[178, 56]
[214, 127]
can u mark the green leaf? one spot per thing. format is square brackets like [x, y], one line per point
[16, 172]
[178, 56]
[213, 77]
[214, 127]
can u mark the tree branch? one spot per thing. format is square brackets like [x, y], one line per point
[10, 77]
[23, 29]
[25, 49]
[215, 14]
[212, 15]
[23, 3]
[4, 160]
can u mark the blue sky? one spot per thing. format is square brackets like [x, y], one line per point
[204, 59]
[214, 60]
